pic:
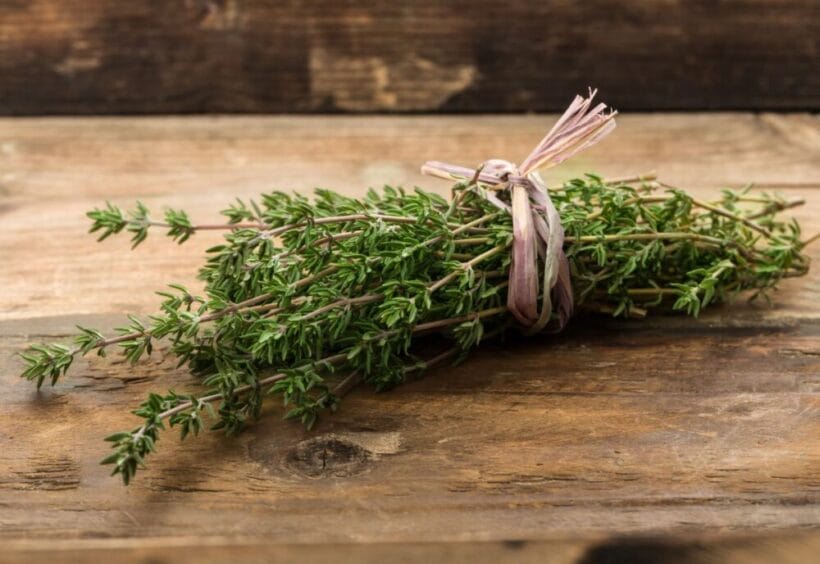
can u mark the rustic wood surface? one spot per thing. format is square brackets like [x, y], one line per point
[170, 56]
[667, 426]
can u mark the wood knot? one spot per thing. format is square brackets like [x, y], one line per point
[332, 455]
[328, 456]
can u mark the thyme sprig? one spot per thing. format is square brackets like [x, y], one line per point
[306, 298]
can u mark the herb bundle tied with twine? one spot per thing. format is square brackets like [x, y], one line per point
[306, 299]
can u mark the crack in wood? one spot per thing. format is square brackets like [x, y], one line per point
[45, 473]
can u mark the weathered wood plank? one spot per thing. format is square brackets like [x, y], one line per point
[668, 425]
[201, 164]
[563, 436]
[168, 56]
[701, 549]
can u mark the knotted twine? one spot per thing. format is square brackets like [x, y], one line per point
[537, 229]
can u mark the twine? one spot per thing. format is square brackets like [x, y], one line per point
[537, 230]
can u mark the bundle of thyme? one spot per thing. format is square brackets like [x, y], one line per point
[307, 298]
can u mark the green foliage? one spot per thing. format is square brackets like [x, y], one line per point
[238, 212]
[179, 225]
[335, 288]
[109, 220]
[632, 249]
[138, 224]
[46, 361]
[88, 340]
[136, 340]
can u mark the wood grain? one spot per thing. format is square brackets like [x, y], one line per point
[703, 428]
[708, 549]
[170, 56]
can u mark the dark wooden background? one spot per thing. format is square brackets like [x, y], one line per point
[180, 56]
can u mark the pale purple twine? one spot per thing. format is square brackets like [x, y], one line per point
[537, 230]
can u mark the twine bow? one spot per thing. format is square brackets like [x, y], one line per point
[537, 229]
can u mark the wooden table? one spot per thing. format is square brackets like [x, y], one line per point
[697, 430]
